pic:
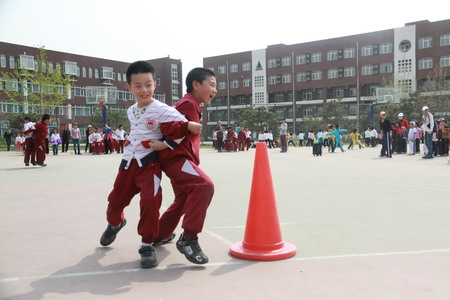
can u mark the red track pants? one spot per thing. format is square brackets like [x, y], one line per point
[193, 193]
[146, 181]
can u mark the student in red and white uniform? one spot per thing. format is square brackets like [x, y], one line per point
[95, 141]
[139, 171]
[248, 138]
[192, 187]
[38, 134]
[30, 152]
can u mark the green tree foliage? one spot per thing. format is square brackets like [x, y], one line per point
[258, 118]
[115, 118]
[39, 88]
[334, 112]
[434, 92]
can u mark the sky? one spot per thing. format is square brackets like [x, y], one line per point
[131, 30]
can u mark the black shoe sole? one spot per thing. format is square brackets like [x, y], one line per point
[112, 238]
[192, 260]
[160, 242]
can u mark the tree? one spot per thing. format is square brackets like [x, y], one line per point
[115, 118]
[258, 118]
[433, 92]
[334, 112]
[41, 88]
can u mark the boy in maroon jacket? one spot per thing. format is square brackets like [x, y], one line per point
[192, 187]
[39, 133]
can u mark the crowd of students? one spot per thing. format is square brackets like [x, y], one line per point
[404, 137]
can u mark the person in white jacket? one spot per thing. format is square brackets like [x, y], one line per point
[428, 126]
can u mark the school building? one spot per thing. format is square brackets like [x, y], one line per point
[93, 80]
[295, 81]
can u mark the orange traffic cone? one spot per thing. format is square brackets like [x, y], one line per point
[262, 240]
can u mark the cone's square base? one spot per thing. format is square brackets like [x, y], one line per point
[287, 251]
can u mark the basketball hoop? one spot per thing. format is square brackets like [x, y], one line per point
[101, 103]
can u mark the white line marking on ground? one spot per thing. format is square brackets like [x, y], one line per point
[219, 264]
[243, 226]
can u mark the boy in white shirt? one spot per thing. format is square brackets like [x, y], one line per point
[139, 171]
[412, 134]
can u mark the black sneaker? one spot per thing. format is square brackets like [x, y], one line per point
[191, 249]
[162, 241]
[148, 257]
[110, 234]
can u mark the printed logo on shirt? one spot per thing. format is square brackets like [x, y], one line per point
[150, 124]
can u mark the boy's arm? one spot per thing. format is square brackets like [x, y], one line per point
[173, 134]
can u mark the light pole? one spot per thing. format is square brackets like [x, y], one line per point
[294, 104]
[357, 85]
[228, 98]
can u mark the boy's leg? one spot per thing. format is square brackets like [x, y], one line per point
[194, 190]
[39, 146]
[148, 180]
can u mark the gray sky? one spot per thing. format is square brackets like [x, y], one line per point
[190, 30]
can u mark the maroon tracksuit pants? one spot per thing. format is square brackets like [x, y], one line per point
[129, 182]
[41, 149]
[193, 193]
[30, 152]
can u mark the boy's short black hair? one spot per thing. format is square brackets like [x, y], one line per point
[197, 74]
[139, 67]
[45, 117]
[26, 119]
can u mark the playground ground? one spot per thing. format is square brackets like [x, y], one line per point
[365, 228]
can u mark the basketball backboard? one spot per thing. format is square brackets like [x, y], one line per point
[96, 95]
[388, 95]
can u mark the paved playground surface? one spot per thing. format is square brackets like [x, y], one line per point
[364, 227]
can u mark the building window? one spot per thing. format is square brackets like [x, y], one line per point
[84, 72]
[259, 81]
[96, 73]
[386, 68]
[332, 55]
[211, 68]
[426, 42]
[367, 50]
[279, 97]
[308, 111]
[405, 85]
[12, 64]
[367, 70]
[352, 91]
[385, 48]
[352, 109]
[445, 61]
[222, 85]
[286, 61]
[70, 68]
[234, 84]
[404, 65]
[90, 72]
[445, 39]
[82, 111]
[222, 69]
[286, 78]
[316, 57]
[273, 79]
[9, 108]
[306, 95]
[349, 53]
[300, 59]
[246, 66]
[174, 69]
[233, 68]
[119, 76]
[338, 92]
[3, 60]
[260, 98]
[272, 63]
[302, 76]
[349, 72]
[50, 67]
[316, 75]
[319, 94]
[246, 82]
[26, 62]
[333, 73]
[425, 63]
[124, 77]
[175, 87]
[106, 73]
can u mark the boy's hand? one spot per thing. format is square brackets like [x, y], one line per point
[156, 145]
[194, 127]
